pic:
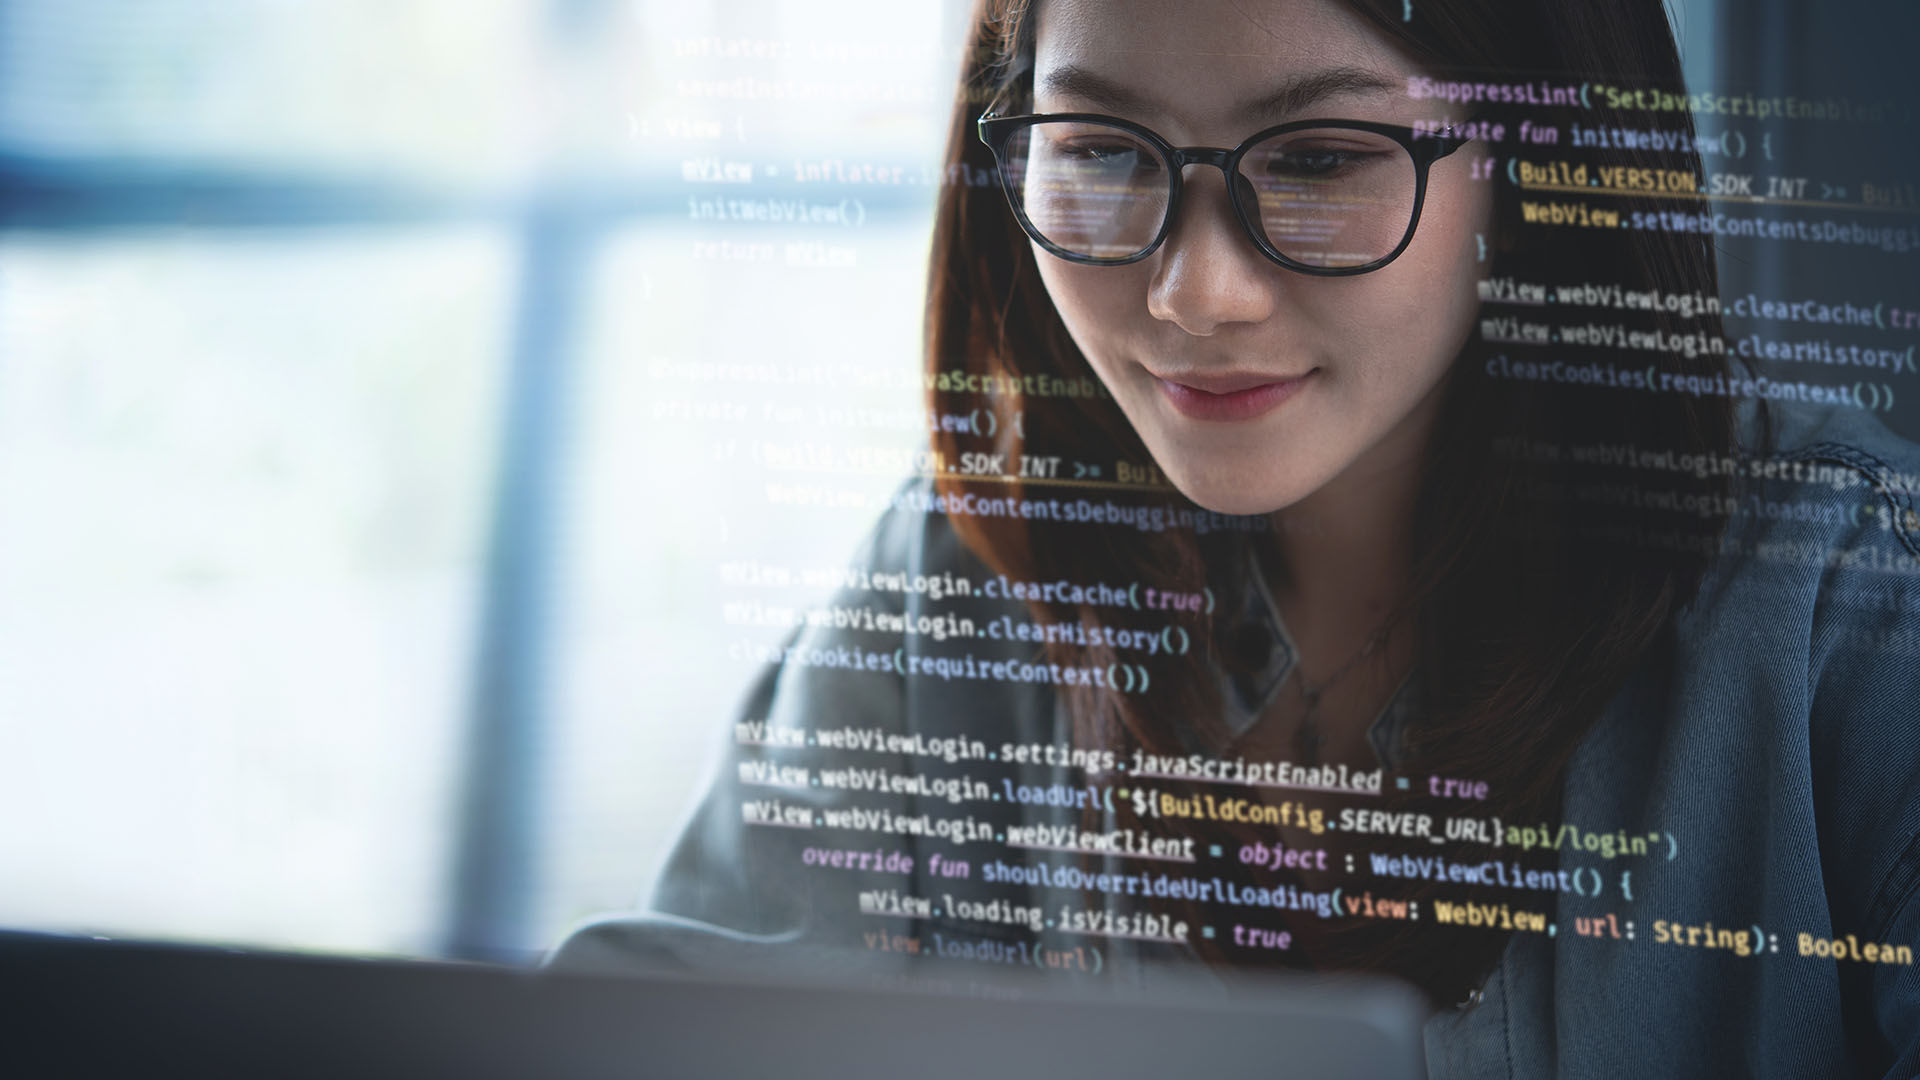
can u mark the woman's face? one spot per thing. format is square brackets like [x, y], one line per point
[1255, 386]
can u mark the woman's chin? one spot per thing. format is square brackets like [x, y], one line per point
[1238, 497]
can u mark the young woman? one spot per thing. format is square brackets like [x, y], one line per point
[1329, 607]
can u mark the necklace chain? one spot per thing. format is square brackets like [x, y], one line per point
[1308, 738]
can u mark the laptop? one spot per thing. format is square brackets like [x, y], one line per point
[83, 1007]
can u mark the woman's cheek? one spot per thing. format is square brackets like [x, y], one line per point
[1099, 306]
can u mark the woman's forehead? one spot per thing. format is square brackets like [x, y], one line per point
[1210, 59]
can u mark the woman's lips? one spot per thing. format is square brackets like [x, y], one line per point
[1229, 397]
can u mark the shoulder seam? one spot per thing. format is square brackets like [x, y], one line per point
[1898, 500]
[1896, 889]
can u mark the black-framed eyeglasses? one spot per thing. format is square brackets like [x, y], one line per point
[1325, 197]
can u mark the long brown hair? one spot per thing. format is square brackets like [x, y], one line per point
[1533, 598]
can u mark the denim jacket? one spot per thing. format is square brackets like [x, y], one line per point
[1786, 774]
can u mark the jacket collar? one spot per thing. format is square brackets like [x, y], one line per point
[1248, 689]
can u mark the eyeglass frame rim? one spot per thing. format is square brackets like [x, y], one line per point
[1424, 148]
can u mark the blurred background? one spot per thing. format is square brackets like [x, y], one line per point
[361, 458]
[380, 388]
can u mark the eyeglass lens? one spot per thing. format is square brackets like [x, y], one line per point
[1330, 197]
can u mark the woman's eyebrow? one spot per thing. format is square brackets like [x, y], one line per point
[1293, 95]
[1070, 80]
[1297, 93]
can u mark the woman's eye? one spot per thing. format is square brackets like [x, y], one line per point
[1108, 153]
[1312, 162]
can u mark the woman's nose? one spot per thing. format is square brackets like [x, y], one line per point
[1208, 274]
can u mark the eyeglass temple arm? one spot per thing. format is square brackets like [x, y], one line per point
[1441, 143]
[1452, 137]
[998, 101]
